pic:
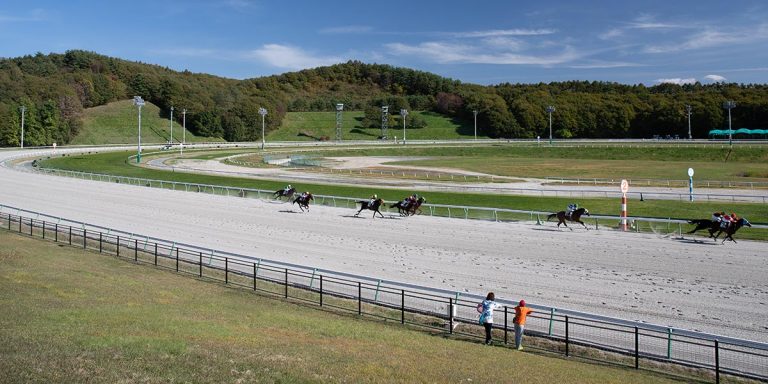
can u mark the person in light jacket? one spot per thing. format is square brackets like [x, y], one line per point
[486, 315]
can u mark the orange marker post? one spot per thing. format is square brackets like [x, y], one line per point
[624, 189]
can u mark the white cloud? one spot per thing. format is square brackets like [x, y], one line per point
[504, 32]
[716, 78]
[676, 80]
[348, 29]
[449, 53]
[605, 65]
[611, 34]
[188, 52]
[714, 38]
[284, 56]
[34, 15]
[500, 42]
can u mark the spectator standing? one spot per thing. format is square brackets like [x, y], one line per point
[486, 315]
[521, 312]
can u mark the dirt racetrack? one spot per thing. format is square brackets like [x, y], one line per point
[698, 285]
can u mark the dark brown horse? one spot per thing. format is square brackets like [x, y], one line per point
[408, 209]
[283, 193]
[303, 201]
[373, 206]
[574, 217]
[731, 229]
[711, 226]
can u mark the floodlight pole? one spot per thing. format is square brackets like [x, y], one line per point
[404, 113]
[339, 109]
[385, 121]
[550, 109]
[474, 112]
[171, 142]
[730, 104]
[23, 109]
[139, 102]
[184, 129]
[262, 112]
[688, 110]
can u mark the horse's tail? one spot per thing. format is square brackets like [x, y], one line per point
[551, 216]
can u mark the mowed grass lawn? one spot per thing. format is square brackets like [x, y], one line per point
[714, 162]
[67, 315]
[309, 126]
[117, 123]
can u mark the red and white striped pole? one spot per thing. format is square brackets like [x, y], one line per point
[624, 189]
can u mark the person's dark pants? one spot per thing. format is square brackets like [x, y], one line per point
[488, 328]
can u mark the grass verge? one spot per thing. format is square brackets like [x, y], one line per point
[73, 316]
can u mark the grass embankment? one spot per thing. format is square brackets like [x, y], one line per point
[309, 126]
[117, 123]
[743, 163]
[67, 315]
[115, 163]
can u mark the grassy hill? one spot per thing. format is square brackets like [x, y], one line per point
[305, 126]
[117, 123]
[70, 316]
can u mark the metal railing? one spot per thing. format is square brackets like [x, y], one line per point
[569, 332]
[659, 182]
[451, 211]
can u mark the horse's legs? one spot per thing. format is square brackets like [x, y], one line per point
[379, 212]
[358, 212]
[585, 226]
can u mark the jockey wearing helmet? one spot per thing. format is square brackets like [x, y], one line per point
[373, 198]
[288, 188]
[727, 220]
[571, 207]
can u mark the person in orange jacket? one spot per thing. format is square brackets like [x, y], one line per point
[521, 312]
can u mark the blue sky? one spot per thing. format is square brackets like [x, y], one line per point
[484, 42]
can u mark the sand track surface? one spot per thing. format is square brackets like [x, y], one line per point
[698, 285]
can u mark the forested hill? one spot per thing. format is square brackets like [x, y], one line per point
[56, 88]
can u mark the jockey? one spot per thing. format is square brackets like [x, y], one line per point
[374, 197]
[718, 216]
[571, 207]
[727, 220]
[288, 188]
[304, 195]
[409, 201]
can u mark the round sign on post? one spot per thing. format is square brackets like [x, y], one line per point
[624, 189]
[690, 184]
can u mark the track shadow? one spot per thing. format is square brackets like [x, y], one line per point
[697, 241]
[287, 211]
[547, 229]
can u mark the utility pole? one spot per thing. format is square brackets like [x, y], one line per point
[184, 129]
[23, 109]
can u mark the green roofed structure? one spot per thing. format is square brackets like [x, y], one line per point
[743, 133]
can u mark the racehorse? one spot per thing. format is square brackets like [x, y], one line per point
[575, 217]
[283, 193]
[303, 201]
[731, 229]
[708, 224]
[366, 204]
[407, 209]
